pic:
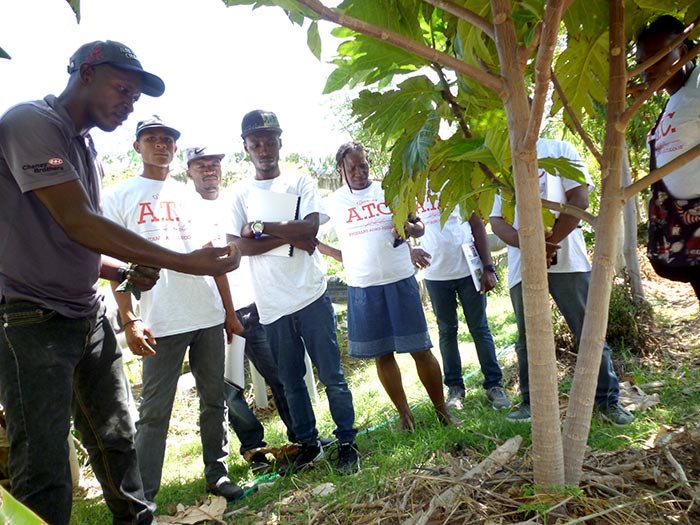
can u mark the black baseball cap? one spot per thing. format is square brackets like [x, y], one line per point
[260, 120]
[117, 55]
[202, 152]
[155, 122]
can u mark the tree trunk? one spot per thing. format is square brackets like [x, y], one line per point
[630, 235]
[547, 452]
[578, 417]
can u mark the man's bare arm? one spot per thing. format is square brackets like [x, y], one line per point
[69, 206]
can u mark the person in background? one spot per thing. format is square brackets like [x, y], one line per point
[204, 169]
[50, 214]
[447, 278]
[290, 292]
[674, 213]
[385, 313]
[181, 313]
[569, 274]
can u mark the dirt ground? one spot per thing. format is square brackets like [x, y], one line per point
[650, 485]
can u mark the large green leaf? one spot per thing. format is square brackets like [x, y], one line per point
[75, 6]
[417, 150]
[583, 73]
[391, 113]
[313, 39]
[399, 16]
[295, 11]
[563, 167]
[364, 60]
[13, 512]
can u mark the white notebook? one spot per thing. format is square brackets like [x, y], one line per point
[476, 267]
[234, 362]
[272, 206]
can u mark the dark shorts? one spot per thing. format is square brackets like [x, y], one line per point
[385, 319]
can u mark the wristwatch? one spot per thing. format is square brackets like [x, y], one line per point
[257, 228]
[490, 268]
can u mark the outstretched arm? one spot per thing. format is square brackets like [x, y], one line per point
[68, 204]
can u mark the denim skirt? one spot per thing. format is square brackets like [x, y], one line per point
[385, 319]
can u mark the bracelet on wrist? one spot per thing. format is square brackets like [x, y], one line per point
[124, 325]
[490, 268]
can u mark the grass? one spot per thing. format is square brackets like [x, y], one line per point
[385, 453]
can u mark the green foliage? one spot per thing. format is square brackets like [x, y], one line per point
[313, 39]
[75, 6]
[3, 54]
[12, 511]
[563, 167]
[294, 10]
[585, 54]
[628, 322]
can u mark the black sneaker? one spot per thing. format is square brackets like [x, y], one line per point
[348, 458]
[307, 457]
[224, 487]
[259, 464]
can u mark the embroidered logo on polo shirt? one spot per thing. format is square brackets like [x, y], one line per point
[54, 164]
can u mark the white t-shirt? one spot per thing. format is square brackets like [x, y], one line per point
[165, 212]
[363, 224]
[677, 132]
[283, 285]
[572, 256]
[239, 280]
[444, 244]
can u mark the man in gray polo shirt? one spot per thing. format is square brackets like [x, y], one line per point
[58, 353]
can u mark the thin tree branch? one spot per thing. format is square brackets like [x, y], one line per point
[465, 14]
[660, 173]
[577, 124]
[550, 32]
[488, 80]
[570, 210]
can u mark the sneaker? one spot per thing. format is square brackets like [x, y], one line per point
[348, 458]
[259, 464]
[455, 395]
[307, 457]
[520, 414]
[224, 487]
[498, 397]
[616, 414]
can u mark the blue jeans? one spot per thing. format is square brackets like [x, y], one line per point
[312, 329]
[443, 297]
[160, 375]
[570, 292]
[52, 366]
[259, 351]
[243, 420]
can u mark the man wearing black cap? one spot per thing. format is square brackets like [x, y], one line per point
[179, 312]
[290, 291]
[57, 349]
